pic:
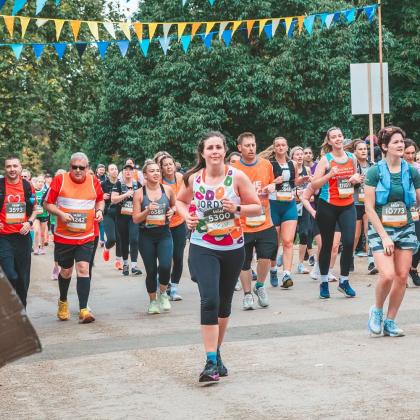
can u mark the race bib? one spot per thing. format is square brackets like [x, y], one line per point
[127, 208]
[15, 213]
[219, 222]
[79, 222]
[255, 221]
[394, 214]
[345, 188]
[415, 214]
[361, 194]
[157, 217]
[285, 192]
[39, 209]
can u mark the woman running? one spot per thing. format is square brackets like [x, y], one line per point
[40, 225]
[177, 225]
[213, 197]
[122, 196]
[154, 206]
[336, 174]
[392, 186]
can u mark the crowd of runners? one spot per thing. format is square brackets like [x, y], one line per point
[233, 210]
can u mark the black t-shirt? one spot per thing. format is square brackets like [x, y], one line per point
[122, 188]
[107, 187]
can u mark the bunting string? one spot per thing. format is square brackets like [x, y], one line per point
[18, 5]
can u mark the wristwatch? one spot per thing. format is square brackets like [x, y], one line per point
[30, 222]
[238, 209]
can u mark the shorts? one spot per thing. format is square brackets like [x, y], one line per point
[360, 212]
[67, 254]
[265, 244]
[315, 228]
[404, 238]
[43, 219]
[283, 211]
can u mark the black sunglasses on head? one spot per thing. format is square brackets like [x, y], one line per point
[75, 167]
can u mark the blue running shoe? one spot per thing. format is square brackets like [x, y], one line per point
[324, 291]
[279, 260]
[254, 275]
[274, 280]
[375, 320]
[391, 329]
[346, 289]
[286, 281]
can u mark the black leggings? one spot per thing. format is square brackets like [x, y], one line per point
[179, 238]
[156, 246]
[129, 237]
[216, 273]
[327, 215]
[111, 232]
[304, 227]
[416, 256]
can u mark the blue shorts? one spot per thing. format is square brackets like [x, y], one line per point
[282, 211]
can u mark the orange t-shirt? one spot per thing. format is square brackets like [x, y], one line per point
[260, 174]
[176, 186]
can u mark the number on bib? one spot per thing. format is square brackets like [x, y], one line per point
[127, 208]
[79, 222]
[394, 214]
[157, 217]
[219, 222]
[345, 188]
[285, 192]
[255, 221]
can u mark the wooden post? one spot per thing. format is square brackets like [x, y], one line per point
[381, 70]
[370, 99]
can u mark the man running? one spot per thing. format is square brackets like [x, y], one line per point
[77, 199]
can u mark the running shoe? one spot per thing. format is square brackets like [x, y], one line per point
[254, 276]
[324, 291]
[153, 308]
[164, 303]
[210, 372]
[301, 269]
[248, 302]
[311, 260]
[414, 276]
[42, 251]
[346, 289]
[361, 254]
[63, 313]
[262, 296]
[238, 286]
[331, 277]
[391, 329]
[105, 255]
[314, 274]
[86, 316]
[135, 271]
[372, 269]
[279, 260]
[286, 281]
[126, 270]
[375, 320]
[274, 279]
[118, 265]
[174, 296]
[37, 251]
[220, 366]
[55, 273]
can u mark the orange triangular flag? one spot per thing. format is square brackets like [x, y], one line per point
[58, 27]
[288, 21]
[181, 29]
[24, 22]
[138, 29]
[93, 26]
[194, 28]
[209, 27]
[236, 25]
[75, 28]
[262, 24]
[300, 22]
[152, 29]
[249, 25]
[10, 23]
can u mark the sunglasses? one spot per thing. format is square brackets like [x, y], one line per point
[80, 168]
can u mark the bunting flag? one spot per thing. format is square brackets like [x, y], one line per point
[184, 2]
[224, 30]
[18, 5]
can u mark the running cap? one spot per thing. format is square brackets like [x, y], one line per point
[128, 166]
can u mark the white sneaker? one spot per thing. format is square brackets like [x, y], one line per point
[314, 274]
[238, 286]
[331, 277]
[164, 303]
[262, 296]
[301, 269]
[248, 302]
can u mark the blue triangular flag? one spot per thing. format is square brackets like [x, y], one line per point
[227, 37]
[144, 46]
[18, 6]
[337, 16]
[211, 2]
[185, 42]
[40, 5]
[292, 28]
[60, 48]
[328, 20]
[370, 12]
[38, 50]
[17, 49]
[102, 47]
[123, 46]
[164, 43]
[323, 19]
[268, 29]
[184, 2]
[57, 2]
[309, 23]
[350, 15]
[80, 47]
[207, 40]
[2, 3]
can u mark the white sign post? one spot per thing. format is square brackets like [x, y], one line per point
[366, 92]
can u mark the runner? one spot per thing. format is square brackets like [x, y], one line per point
[391, 187]
[122, 197]
[101, 172]
[308, 158]
[212, 199]
[259, 232]
[154, 206]
[17, 214]
[234, 157]
[41, 222]
[77, 199]
[137, 175]
[110, 218]
[177, 226]
[336, 174]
